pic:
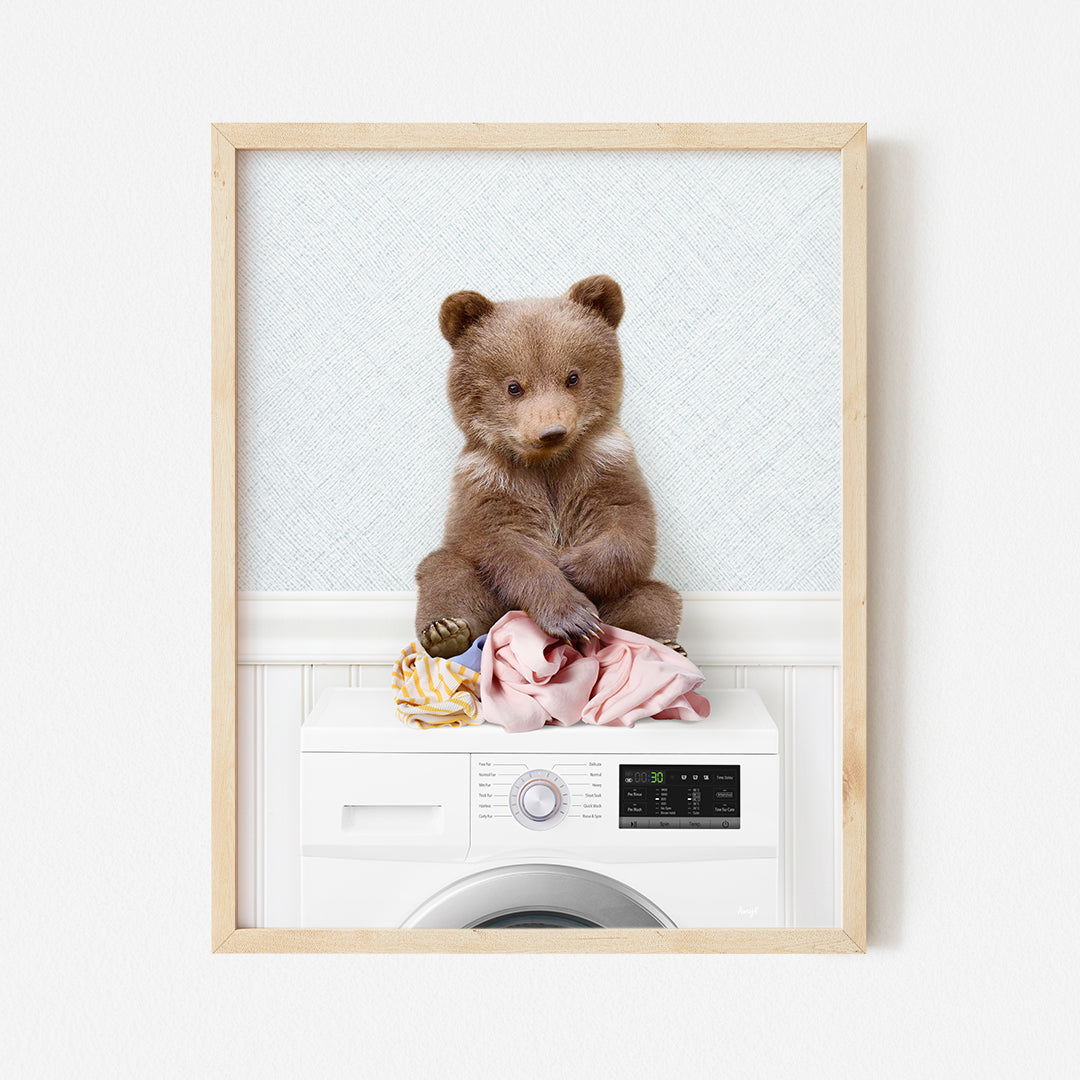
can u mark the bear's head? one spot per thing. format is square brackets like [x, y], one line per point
[530, 378]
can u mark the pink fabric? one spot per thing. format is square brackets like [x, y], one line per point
[528, 679]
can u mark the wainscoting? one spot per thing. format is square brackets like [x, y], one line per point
[293, 646]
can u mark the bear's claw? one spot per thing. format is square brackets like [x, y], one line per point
[676, 646]
[579, 623]
[446, 638]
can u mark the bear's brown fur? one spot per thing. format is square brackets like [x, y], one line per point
[549, 512]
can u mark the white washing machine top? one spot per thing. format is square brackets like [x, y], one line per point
[365, 721]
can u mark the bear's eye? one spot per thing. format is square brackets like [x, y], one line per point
[572, 378]
[514, 390]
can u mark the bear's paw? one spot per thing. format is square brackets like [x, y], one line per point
[572, 622]
[446, 638]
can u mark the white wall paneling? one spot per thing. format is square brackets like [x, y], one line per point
[812, 844]
[249, 714]
[369, 628]
[294, 646]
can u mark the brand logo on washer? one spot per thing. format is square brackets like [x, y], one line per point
[749, 911]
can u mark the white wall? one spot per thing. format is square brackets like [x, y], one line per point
[975, 590]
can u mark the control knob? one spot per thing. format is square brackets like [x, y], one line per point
[539, 799]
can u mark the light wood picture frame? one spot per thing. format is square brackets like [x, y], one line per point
[227, 140]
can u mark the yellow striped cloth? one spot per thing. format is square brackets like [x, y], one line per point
[432, 692]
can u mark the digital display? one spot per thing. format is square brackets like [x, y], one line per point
[679, 796]
[654, 777]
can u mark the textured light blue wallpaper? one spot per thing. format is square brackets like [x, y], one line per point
[730, 266]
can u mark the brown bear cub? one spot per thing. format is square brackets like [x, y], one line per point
[549, 512]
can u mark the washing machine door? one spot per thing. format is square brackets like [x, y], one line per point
[538, 896]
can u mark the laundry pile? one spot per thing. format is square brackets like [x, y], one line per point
[527, 679]
[433, 692]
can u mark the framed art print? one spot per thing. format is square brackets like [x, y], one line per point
[411, 323]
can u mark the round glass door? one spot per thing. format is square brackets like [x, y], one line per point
[537, 896]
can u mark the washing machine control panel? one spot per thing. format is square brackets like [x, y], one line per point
[536, 793]
[626, 806]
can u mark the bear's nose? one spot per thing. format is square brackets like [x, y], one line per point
[552, 435]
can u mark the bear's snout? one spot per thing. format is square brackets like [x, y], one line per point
[552, 436]
[546, 424]
[548, 438]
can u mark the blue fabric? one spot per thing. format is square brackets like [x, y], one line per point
[470, 658]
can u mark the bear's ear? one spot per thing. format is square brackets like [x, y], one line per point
[602, 295]
[459, 311]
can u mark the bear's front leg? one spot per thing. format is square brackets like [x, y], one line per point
[453, 605]
[650, 608]
[606, 566]
[526, 578]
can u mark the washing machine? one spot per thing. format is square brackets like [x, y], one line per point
[666, 824]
